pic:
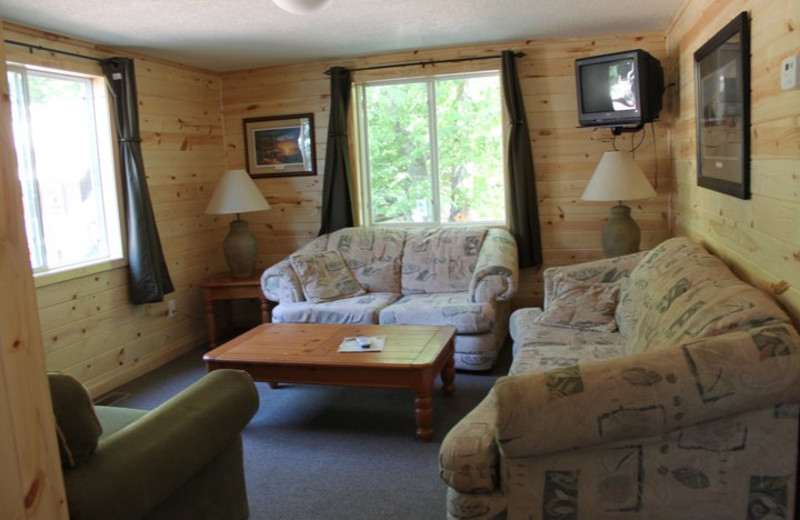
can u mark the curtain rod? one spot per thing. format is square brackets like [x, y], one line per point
[32, 47]
[428, 62]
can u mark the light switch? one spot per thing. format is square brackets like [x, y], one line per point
[790, 73]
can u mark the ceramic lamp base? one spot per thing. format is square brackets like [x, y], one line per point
[621, 235]
[241, 250]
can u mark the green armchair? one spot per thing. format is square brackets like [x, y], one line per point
[181, 460]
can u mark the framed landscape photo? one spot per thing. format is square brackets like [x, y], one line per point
[722, 84]
[280, 146]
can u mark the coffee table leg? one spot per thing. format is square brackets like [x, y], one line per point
[423, 413]
[449, 376]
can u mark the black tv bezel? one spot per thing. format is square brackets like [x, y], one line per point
[643, 62]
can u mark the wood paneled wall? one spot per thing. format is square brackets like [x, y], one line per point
[758, 238]
[564, 154]
[31, 486]
[90, 329]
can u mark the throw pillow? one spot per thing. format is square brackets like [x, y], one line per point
[325, 276]
[581, 305]
[77, 425]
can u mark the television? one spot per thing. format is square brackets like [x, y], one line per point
[622, 89]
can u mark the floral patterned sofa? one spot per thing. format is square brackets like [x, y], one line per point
[456, 276]
[652, 386]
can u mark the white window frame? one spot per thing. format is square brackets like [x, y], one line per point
[364, 191]
[106, 162]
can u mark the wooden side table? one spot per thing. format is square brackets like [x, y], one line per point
[222, 286]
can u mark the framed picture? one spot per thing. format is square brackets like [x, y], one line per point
[280, 146]
[722, 85]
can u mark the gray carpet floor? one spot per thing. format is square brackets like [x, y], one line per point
[321, 452]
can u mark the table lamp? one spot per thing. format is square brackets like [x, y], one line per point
[618, 177]
[237, 193]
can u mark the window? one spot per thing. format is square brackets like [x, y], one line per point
[62, 136]
[432, 150]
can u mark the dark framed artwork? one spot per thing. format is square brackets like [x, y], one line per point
[280, 146]
[722, 85]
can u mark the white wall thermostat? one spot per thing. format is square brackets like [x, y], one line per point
[790, 73]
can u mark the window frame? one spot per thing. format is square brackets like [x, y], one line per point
[361, 149]
[106, 163]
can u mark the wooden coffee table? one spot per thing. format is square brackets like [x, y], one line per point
[308, 353]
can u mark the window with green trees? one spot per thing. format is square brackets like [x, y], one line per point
[65, 161]
[432, 150]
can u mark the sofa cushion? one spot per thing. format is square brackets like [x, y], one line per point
[373, 255]
[77, 425]
[581, 305]
[358, 309]
[680, 291]
[325, 276]
[440, 260]
[444, 309]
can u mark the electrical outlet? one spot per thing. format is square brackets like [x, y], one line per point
[790, 73]
[172, 308]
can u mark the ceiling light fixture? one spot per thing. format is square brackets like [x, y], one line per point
[302, 6]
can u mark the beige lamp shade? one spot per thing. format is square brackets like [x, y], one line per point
[236, 193]
[618, 177]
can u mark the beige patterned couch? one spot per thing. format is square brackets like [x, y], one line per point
[457, 276]
[688, 411]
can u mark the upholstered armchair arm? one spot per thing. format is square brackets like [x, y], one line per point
[136, 468]
[468, 456]
[497, 270]
[605, 270]
[647, 394]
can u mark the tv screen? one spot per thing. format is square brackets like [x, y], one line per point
[607, 87]
[620, 89]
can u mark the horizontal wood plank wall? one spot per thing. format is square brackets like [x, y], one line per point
[564, 155]
[90, 329]
[758, 238]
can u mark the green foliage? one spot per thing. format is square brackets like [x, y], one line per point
[468, 130]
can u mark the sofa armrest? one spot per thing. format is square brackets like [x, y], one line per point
[496, 275]
[605, 270]
[648, 394]
[144, 463]
[468, 456]
[280, 283]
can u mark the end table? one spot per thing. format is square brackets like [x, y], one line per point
[222, 286]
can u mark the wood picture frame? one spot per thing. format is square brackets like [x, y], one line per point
[722, 86]
[280, 146]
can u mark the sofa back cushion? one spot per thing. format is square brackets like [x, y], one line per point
[680, 292]
[373, 255]
[442, 259]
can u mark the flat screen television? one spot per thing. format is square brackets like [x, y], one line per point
[622, 89]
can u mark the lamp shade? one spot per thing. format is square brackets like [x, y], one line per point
[302, 6]
[618, 177]
[236, 193]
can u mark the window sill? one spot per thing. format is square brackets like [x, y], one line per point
[73, 272]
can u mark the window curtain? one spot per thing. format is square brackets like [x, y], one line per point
[337, 206]
[521, 178]
[148, 277]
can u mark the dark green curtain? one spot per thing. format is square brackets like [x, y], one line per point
[148, 276]
[337, 206]
[521, 177]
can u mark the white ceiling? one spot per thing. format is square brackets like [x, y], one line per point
[228, 35]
